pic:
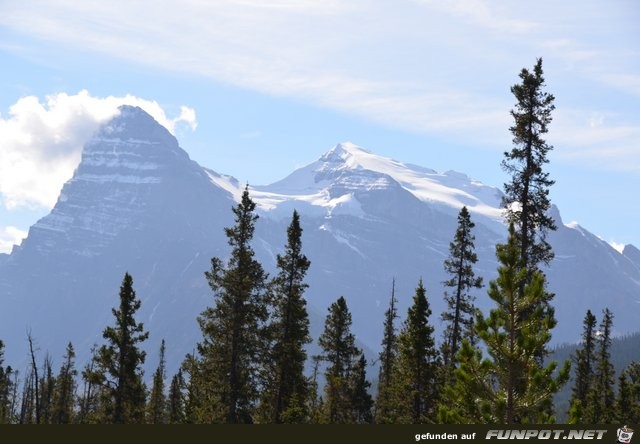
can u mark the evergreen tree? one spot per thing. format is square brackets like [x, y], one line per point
[6, 390]
[460, 308]
[233, 345]
[385, 402]
[628, 400]
[315, 402]
[340, 352]
[584, 365]
[287, 389]
[623, 400]
[119, 362]
[416, 372]
[361, 400]
[64, 396]
[47, 385]
[157, 407]
[197, 408]
[526, 196]
[601, 399]
[510, 385]
[176, 399]
[28, 400]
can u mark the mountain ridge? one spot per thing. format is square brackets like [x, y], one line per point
[140, 204]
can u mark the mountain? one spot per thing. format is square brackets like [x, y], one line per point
[137, 203]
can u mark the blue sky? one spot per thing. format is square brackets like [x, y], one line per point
[257, 88]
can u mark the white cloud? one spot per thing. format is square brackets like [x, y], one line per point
[41, 142]
[617, 246]
[441, 67]
[596, 139]
[10, 236]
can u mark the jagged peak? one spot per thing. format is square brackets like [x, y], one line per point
[135, 124]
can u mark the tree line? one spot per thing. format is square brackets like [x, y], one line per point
[249, 365]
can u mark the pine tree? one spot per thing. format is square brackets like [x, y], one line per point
[628, 400]
[157, 407]
[47, 385]
[385, 402]
[197, 408]
[361, 400]
[623, 401]
[287, 390]
[601, 398]
[460, 308]
[6, 390]
[416, 371]
[526, 196]
[315, 402]
[510, 385]
[175, 401]
[28, 400]
[119, 362]
[233, 346]
[64, 396]
[340, 352]
[584, 365]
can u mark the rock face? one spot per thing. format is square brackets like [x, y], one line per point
[137, 203]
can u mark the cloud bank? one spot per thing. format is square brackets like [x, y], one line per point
[426, 66]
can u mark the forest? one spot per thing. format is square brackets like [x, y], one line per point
[249, 365]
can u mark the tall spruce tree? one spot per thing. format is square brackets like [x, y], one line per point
[119, 362]
[233, 345]
[175, 401]
[416, 370]
[340, 353]
[584, 369]
[628, 400]
[64, 396]
[361, 400]
[385, 402]
[600, 404]
[510, 385]
[526, 196]
[460, 312]
[157, 406]
[286, 393]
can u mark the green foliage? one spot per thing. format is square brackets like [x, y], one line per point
[628, 399]
[157, 407]
[510, 385]
[285, 395]
[584, 369]
[64, 396]
[233, 343]
[119, 373]
[459, 316]
[416, 371]
[385, 402]
[176, 401]
[340, 353]
[47, 386]
[599, 405]
[7, 392]
[361, 400]
[526, 196]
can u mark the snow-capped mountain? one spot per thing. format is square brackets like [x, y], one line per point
[137, 203]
